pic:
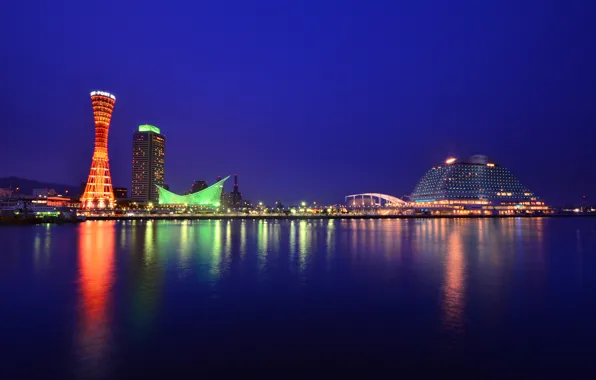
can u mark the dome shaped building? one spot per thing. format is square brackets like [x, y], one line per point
[474, 186]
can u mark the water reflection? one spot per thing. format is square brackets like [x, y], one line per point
[292, 245]
[149, 249]
[170, 270]
[454, 285]
[243, 238]
[43, 236]
[216, 241]
[302, 244]
[144, 275]
[37, 249]
[262, 243]
[96, 260]
[185, 250]
[228, 247]
[330, 240]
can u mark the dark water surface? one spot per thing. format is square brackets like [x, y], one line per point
[202, 299]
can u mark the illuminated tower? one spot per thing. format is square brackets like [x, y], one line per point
[98, 192]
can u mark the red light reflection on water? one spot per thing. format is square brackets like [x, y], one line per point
[96, 256]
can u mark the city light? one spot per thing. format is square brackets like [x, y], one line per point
[98, 191]
[473, 186]
[149, 128]
[103, 93]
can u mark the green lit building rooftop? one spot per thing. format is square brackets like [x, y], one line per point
[149, 128]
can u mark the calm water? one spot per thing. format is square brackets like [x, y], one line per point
[205, 298]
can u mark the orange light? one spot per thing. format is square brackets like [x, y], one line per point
[450, 160]
[98, 192]
[96, 257]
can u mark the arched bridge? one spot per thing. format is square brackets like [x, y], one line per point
[373, 199]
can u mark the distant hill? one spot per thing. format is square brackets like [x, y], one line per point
[26, 186]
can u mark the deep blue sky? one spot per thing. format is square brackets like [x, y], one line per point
[304, 99]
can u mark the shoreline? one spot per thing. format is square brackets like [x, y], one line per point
[37, 221]
[277, 217]
[304, 217]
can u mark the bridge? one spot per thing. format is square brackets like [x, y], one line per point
[373, 200]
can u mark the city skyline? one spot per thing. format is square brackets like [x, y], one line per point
[362, 99]
[410, 188]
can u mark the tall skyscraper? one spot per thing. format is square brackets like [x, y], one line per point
[98, 190]
[148, 163]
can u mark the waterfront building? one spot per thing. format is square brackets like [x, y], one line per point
[98, 190]
[148, 163]
[473, 185]
[209, 197]
[57, 201]
[35, 206]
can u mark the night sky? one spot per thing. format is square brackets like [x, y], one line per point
[305, 100]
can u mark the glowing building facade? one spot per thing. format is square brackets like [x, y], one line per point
[474, 186]
[209, 197]
[148, 163]
[98, 192]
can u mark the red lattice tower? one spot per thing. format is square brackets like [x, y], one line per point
[98, 192]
